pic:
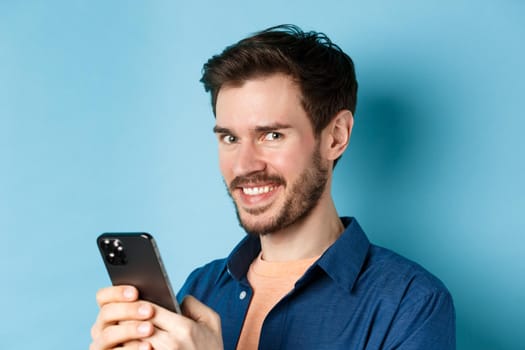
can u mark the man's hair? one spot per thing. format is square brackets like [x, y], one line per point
[324, 73]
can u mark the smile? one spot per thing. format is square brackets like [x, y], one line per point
[253, 191]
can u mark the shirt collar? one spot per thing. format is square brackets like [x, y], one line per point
[242, 256]
[342, 261]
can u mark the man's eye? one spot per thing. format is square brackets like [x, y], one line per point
[229, 139]
[271, 136]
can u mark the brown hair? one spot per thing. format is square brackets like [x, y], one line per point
[323, 72]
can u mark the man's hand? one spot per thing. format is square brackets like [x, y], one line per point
[199, 328]
[124, 322]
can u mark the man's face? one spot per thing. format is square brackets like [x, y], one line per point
[268, 154]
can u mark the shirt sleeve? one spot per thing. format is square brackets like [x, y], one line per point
[189, 285]
[428, 323]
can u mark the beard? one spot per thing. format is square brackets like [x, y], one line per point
[302, 198]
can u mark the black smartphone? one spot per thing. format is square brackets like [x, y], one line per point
[134, 259]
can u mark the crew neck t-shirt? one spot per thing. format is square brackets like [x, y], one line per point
[270, 281]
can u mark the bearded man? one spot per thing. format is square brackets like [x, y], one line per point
[303, 277]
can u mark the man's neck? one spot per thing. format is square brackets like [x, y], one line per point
[307, 238]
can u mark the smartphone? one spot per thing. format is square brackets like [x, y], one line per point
[134, 259]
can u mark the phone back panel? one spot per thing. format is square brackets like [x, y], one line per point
[134, 259]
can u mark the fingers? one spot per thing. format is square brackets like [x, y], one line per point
[115, 312]
[121, 319]
[200, 313]
[124, 322]
[116, 294]
[135, 345]
[193, 312]
[198, 328]
[192, 336]
[113, 308]
[127, 333]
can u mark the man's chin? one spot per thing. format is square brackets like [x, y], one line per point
[255, 213]
[259, 221]
[257, 227]
[251, 226]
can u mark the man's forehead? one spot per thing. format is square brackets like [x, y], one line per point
[271, 81]
[274, 93]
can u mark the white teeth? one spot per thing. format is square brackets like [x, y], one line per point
[252, 191]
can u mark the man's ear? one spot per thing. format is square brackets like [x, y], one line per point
[336, 136]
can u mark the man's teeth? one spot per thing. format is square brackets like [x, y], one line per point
[256, 190]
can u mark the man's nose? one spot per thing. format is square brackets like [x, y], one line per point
[248, 160]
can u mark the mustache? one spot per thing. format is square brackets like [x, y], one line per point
[254, 179]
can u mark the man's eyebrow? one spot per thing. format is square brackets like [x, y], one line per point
[220, 130]
[262, 128]
[272, 127]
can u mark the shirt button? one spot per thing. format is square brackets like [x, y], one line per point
[242, 295]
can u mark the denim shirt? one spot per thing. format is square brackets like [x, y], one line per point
[355, 296]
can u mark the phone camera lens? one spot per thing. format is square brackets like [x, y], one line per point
[114, 252]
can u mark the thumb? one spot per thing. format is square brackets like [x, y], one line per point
[200, 313]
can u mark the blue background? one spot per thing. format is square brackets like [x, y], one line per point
[105, 127]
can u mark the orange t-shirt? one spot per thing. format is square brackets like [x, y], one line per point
[270, 281]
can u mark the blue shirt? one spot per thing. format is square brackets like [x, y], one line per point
[355, 296]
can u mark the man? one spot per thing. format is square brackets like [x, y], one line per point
[303, 278]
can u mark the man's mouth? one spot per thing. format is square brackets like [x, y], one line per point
[257, 190]
[256, 184]
[256, 199]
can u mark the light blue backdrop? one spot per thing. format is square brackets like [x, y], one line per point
[105, 127]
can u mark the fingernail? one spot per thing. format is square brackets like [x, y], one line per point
[144, 328]
[144, 346]
[129, 293]
[144, 310]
